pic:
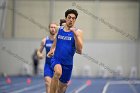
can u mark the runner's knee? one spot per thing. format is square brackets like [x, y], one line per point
[57, 74]
[47, 82]
[62, 89]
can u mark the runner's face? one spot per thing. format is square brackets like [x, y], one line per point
[52, 29]
[70, 20]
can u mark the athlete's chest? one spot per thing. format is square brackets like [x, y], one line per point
[48, 43]
[67, 36]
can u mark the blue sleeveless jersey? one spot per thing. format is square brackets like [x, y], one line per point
[65, 47]
[47, 46]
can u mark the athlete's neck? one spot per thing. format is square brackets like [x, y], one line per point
[52, 37]
[66, 28]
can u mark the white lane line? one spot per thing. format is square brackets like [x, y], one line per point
[81, 88]
[27, 88]
[7, 86]
[122, 82]
[84, 86]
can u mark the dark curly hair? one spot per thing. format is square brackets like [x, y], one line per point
[62, 21]
[71, 11]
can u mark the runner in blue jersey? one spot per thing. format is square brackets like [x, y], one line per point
[47, 43]
[67, 42]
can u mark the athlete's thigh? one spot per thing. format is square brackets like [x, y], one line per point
[57, 70]
[56, 66]
[66, 73]
[48, 71]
